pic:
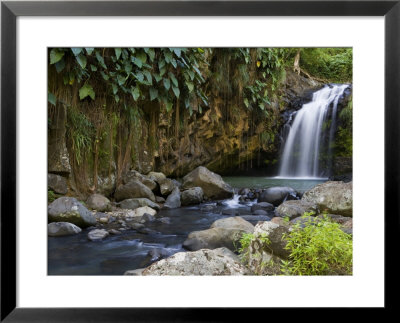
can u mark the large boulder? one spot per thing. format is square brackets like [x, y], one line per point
[276, 195]
[212, 184]
[173, 200]
[98, 202]
[204, 262]
[192, 196]
[58, 229]
[295, 208]
[274, 232]
[138, 202]
[223, 233]
[333, 197]
[166, 186]
[57, 183]
[135, 175]
[69, 209]
[133, 189]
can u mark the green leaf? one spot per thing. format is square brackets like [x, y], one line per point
[169, 106]
[81, 59]
[173, 62]
[135, 93]
[100, 59]
[198, 72]
[153, 93]
[117, 52]
[56, 55]
[121, 79]
[167, 84]
[137, 61]
[128, 68]
[104, 75]
[60, 65]
[51, 98]
[139, 76]
[177, 52]
[115, 88]
[151, 54]
[168, 56]
[191, 74]
[173, 79]
[176, 91]
[93, 68]
[162, 71]
[76, 50]
[142, 56]
[157, 77]
[89, 50]
[190, 86]
[85, 91]
[161, 64]
[116, 98]
[148, 76]
[246, 102]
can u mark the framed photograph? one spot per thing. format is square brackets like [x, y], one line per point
[163, 157]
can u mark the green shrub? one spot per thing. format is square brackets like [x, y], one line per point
[320, 248]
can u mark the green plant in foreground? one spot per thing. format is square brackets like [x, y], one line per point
[51, 196]
[320, 248]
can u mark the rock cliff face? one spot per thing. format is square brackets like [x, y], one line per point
[226, 138]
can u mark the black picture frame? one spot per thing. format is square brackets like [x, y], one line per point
[10, 10]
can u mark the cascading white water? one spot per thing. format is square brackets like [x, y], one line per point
[300, 157]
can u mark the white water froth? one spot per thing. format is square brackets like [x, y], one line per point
[300, 158]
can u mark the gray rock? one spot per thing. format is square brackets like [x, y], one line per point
[230, 212]
[134, 203]
[97, 234]
[133, 189]
[160, 199]
[262, 206]
[333, 197]
[212, 184]
[58, 229]
[222, 233]
[260, 211]
[254, 218]
[204, 262]
[68, 209]
[276, 195]
[173, 200]
[145, 180]
[156, 176]
[295, 208]
[192, 196]
[113, 231]
[166, 186]
[140, 211]
[274, 232]
[57, 183]
[98, 202]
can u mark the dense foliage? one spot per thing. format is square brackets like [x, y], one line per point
[320, 248]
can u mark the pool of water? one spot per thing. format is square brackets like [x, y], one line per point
[299, 184]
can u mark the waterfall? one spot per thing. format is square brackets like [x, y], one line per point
[305, 139]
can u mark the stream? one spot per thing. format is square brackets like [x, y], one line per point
[76, 255]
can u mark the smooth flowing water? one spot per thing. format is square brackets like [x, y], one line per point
[301, 153]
